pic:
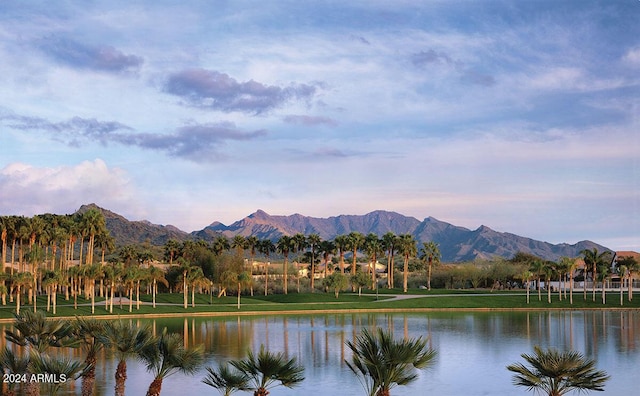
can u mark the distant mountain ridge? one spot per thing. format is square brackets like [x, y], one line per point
[456, 243]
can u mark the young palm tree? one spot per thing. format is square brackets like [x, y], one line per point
[12, 364]
[167, 356]
[381, 363]
[226, 380]
[126, 341]
[59, 368]
[89, 332]
[556, 373]
[267, 370]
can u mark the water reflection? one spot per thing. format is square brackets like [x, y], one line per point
[473, 348]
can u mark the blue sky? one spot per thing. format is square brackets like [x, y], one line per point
[522, 116]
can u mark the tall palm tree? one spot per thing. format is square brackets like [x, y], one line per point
[407, 247]
[313, 240]
[381, 363]
[126, 341]
[595, 260]
[167, 356]
[390, 244]
[299, 244]
[342, 245]
[537, 267]
[327, 248]
[236, 280]
[284, 245]
[556, 373]
[373, 247]
[171, 250]
[266, 247]
[239, 243]
[267, 370]
[252, 245]
[156, 275]
[220, 244]
[430, 252]
[18, 281]
[356, 239]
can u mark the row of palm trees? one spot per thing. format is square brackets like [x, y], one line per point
[320, 252]
[59, 238]
[597, 266]
[38, 340]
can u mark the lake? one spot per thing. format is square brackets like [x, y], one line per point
[473, 349]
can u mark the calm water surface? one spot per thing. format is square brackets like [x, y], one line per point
[473, 349]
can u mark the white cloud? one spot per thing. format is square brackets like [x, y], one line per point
[28, 190]
[632, 56]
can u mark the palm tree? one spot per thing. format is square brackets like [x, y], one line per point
[266, 247]
[18, 281]
[12, 364]
[61, 368]
[380, 362]
[373, 247]
[537, 267]
[556, 373]
[126, 341]
[526, 276]
[313, 240]
[238, 280]
[327, 248]
[430, 252]
[407, 247]
[252, 245]
[356, 240]
[171, 249]
[283, 246]
[299, 242]
[196, 279]
[267, 370]
[156, 275]
[239, 243]
[342, 244]
[220, 244]
[595, 260]
[226, 380]
[167, 356]
[89, 333]
[549, 270]
[390, 244]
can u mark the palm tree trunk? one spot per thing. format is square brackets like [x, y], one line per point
[405, 275]
[89, 378]
[155, 387]
[121, 378]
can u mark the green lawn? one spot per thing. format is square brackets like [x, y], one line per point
[293, 302]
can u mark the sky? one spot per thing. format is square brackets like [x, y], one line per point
[521, 116]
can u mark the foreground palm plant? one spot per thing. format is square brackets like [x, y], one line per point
[226, 379]
[89, 332]
[555, 373]
[380, 362]
[267, 370]
[126, 341]
[167, 356]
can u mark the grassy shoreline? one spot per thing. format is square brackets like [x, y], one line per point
[171, 305]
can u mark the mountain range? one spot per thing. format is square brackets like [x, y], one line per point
[456, 243]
